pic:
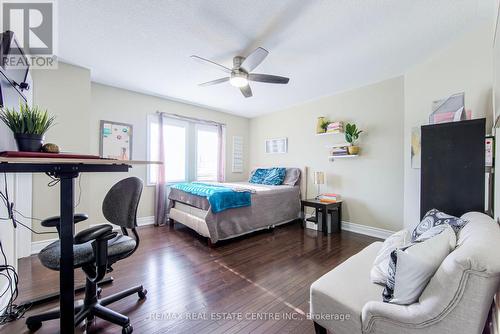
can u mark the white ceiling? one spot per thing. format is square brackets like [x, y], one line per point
[323, 46]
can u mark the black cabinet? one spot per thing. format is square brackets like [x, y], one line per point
[453, 167]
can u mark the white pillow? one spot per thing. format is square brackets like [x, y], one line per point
[380, 269]
[411, 267]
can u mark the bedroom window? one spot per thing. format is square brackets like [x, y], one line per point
[176, 150]
[206, 152]
[191, 150]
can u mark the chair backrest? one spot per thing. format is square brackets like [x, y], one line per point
[460, 294]
[120, 204]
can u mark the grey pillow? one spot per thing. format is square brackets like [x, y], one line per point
[434, 217]
[292, 176]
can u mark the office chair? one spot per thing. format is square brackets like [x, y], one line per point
[95, 250]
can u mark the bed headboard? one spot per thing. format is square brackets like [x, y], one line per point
[303, 177]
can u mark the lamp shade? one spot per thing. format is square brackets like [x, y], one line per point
[319, 178]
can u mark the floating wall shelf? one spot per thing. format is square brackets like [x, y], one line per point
[329, 133]
[333, 157]
[337, 145]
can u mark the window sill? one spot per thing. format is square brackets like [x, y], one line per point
[168, 184]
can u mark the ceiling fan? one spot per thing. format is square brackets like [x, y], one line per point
[240, 74]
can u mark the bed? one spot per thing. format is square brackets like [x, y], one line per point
[271, 205]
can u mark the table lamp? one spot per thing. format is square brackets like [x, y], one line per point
[319, 179]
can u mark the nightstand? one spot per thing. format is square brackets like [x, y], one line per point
[332, 209]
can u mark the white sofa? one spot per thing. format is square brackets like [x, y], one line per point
[456, 300]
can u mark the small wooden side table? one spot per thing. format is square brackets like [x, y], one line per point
[332, 209]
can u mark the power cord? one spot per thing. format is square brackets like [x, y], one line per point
[11, 208]
[55, 181]
[11, 211]
[11, 311]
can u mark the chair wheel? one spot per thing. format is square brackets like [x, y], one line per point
[127, 330]
[142, 294]
[99, 292]
[33, 326]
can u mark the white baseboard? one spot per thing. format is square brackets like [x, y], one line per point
[143, 221]
[37, 246]
[358, 228]
[366, 230]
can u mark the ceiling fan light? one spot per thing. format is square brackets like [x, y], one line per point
[238, 81]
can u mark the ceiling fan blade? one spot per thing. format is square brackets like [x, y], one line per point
[254, 59]
[275, 79]
[246, 91]
[213, 64]
[214, 82]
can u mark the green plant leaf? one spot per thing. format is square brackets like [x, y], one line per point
[29, 120]
[351, 133]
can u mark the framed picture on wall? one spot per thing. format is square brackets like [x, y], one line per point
[115, 140]
[278, 145]
[415, 147]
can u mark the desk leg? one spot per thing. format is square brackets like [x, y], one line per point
[66, 275]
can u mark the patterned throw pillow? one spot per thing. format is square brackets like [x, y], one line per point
[258, 175]
[269, 176]
[275, 176]
[434, 217]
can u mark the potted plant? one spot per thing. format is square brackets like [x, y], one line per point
[28, 125]
[322, 125]
[351, 135]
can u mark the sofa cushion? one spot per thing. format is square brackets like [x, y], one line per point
[344, 291]
[411, 267]
[380, 269]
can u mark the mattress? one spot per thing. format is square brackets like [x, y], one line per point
[271, 205]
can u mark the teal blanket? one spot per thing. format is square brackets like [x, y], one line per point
[220, 198]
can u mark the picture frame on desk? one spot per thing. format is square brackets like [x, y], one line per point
[115, 140]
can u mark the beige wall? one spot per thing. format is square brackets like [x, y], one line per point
[79, 106]
[66, 94]
[376, 186]
[109, 103]
[463, 66]
[371, 184]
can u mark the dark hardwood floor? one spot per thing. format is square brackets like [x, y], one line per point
[254, 284]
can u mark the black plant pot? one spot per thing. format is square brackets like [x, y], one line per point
[29, 142]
